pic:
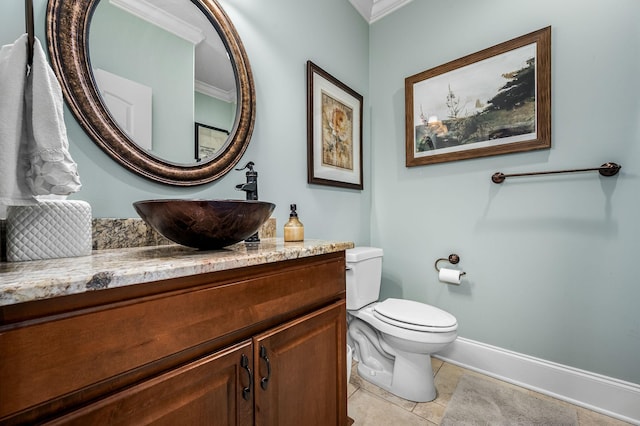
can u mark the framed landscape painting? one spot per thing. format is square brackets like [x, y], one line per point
[491, 102]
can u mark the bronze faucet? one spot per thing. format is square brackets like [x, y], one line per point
[251, 187]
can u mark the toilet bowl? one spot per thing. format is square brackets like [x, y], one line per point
[392, 339]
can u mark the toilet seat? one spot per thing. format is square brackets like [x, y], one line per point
[415, 316]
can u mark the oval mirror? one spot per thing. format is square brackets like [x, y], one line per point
[194, 110]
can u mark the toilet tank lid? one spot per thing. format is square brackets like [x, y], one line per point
[358, 254]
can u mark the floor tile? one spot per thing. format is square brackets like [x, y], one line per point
[367, 409]
[446, 381]
[351, 389]
[431, 411]
[591, 418]
[494, 403]
[369, 405]
[435, 365]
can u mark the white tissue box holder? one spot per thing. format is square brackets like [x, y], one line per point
[48, 230]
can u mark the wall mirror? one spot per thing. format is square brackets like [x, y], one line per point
[163, 87]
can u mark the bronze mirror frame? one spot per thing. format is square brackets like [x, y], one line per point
[67, 25]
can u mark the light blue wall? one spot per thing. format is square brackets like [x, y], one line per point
[279, 36]
[550, 261]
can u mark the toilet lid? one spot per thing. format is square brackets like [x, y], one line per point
[415, 315]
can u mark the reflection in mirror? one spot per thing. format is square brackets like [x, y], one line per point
[186, 76]
[106, 118]
[209, 140]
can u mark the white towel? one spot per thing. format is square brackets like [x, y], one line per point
[52, 170]
[36, 137]
[13, 148]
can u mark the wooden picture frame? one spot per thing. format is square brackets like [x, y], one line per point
[334, 131]
[495, 101]
[209, 141]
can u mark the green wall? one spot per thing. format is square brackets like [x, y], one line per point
[550, 261]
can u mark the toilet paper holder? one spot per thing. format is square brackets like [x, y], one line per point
[453, 259]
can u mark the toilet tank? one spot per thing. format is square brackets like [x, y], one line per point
[364, 272]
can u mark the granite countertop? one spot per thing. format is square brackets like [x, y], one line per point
[43, 279]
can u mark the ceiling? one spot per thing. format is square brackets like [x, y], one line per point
[372, 10]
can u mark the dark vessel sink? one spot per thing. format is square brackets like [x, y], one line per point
[205, 224]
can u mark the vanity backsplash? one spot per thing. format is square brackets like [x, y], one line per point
[124, 233]
[127, 233]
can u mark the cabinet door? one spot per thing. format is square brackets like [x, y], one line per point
[301, 371]
[214, 390]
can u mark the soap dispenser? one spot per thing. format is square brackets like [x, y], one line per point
[293, 229]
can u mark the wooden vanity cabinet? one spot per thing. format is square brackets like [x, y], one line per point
[262, 345]
[204, 392]
[296, 365]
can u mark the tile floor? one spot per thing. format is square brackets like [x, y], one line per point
[369, 405]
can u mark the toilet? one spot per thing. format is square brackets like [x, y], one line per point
[392, 339]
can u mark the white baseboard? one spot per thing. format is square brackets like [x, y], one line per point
[595, 392]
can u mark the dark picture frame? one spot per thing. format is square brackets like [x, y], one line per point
[209, 140]
[495, 101]
[334, 131]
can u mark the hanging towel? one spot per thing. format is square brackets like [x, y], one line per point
[32, 129]
[52, 170]
[14, 189]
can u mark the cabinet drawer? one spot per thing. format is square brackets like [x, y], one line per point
[59, 355]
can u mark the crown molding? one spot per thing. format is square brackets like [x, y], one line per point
[156, 16]
[372, 10]
[207, 89]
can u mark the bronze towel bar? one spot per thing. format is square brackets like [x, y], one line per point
[607, 169]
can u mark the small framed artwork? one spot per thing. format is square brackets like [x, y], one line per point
[495, 101]
[209, 140]
[334, 131]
